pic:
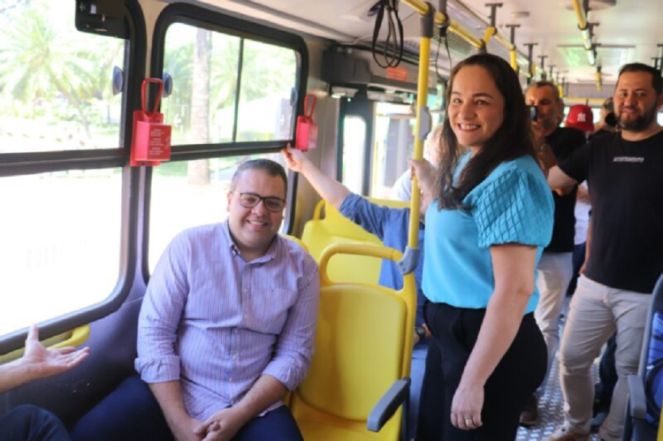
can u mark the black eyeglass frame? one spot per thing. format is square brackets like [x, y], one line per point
[266, 200]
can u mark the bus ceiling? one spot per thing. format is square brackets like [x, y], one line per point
[575, 42]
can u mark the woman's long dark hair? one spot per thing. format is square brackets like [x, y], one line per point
[510, 141]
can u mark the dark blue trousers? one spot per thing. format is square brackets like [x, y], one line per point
[514, 380]
[131, 413]
[31, 423]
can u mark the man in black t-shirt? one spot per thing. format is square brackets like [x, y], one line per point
[625, 176]
[555, 268]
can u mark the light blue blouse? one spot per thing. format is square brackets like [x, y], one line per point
[513, 204]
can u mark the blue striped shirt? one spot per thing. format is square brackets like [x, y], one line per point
[217, 323]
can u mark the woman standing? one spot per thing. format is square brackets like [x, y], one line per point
[484, 235]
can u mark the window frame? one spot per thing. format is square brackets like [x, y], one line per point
[12, 164]
[17, 164]
[218, 22]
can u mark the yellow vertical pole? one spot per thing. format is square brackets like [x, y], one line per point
[423, 123]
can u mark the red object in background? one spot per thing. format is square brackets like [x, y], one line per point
[306, 135]
[151, 138]
[397, 73]
[580, 117]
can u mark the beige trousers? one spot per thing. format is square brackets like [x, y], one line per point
[553, 275]
[595, 313]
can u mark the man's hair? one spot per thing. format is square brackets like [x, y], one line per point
[511, 140]
[550, 84]
[656, 80]
[267, 165]
[608, 104]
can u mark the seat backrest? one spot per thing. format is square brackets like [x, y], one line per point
[363, 344]
[334, 228]
[351, 368]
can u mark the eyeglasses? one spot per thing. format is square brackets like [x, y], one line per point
[250, 200]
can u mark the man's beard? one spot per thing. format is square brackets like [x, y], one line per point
[640, 123]
[548, 124]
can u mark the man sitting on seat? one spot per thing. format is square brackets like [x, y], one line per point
[225, 330]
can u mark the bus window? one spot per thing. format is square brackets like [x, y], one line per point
[394, 143]
[189, 193]
[198, 57]
[204, 105]
[60, 241]
[266, 98]
[354, 152]
[56, 89]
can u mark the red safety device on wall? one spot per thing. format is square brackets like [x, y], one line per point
[306, 135]
[151, 138]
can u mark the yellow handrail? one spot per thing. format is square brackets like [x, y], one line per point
[488, 34]
[440, 19]
[422, 103]
[583, 26]
[78, 337]
[580, 14]
[75, 337]
[459, 30]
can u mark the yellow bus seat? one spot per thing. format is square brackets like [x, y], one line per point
[363, 348]
[334, 228]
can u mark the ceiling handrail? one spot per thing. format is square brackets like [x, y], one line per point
[585, 29]
[440, 19]
[458, 29]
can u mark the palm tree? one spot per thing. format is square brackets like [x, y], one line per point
[38, 64]
[198, 170]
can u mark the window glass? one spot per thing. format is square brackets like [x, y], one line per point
[394, 146]
[203, 65]
[267, 94]
[189, 193]
[60, 241]
[596, 114]
[354, 146]
[55, 82]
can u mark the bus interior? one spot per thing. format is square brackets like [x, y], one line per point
[81, 228]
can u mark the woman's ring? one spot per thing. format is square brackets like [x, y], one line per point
[468, 420]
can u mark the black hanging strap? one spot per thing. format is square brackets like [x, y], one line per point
[392, 53]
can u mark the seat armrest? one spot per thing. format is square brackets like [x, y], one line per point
[637, 401]
[397, 394]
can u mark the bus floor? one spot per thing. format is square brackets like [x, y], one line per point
[551, 410]
[551, 403]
